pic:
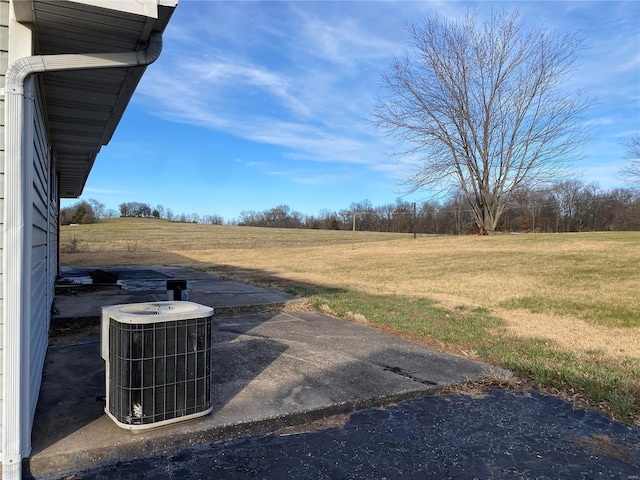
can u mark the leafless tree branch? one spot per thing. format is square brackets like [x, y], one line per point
[630, 173]
[484, 108]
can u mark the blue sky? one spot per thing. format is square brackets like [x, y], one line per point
[257, 104]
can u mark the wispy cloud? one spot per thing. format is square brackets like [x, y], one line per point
[307, 87]
[302, 76]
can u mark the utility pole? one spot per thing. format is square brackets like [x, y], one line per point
[353, 233]
[354, 213]
[414, 220]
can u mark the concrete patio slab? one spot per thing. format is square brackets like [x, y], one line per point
[270, 369]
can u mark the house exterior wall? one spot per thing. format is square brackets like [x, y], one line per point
[4, 58]
[43, 257]
[42, 201]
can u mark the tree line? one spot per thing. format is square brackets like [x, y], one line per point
[566, 206]
[144, 210]
[90, 211]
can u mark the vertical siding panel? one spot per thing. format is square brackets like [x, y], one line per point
[4, 49]
[40, 308]
[52, 229]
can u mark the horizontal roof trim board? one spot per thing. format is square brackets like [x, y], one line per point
[147, 8]
[109, 80]
[68, 12]
[79, 168]
[90, 82]
[63, 107]
[104, 101]
[96, 117]
[80, 120]
[113, 28]
[78, 144]
[102, 106]
[79, 173]
[72, 131]
[101, 31]
[78, 163]
[70, 45]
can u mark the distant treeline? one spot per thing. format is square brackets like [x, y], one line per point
[568, 206]
[90, 211]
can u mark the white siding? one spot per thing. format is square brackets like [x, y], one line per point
[41, 276]
[4, 55]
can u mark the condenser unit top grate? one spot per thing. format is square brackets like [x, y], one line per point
[157, 311]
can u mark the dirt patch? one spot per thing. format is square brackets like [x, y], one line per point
[74, 331]
[335, 421]
[605, 445]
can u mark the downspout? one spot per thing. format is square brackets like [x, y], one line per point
[16, 442]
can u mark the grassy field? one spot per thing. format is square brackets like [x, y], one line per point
[561, 311]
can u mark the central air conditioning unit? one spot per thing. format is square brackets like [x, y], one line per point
[158, 362]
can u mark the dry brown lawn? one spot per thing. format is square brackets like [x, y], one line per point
[579, 290]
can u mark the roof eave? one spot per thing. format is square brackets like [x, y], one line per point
[117, 28]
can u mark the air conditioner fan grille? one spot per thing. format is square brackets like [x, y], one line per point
[157, 309]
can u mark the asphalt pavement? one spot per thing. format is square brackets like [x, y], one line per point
[502, 435]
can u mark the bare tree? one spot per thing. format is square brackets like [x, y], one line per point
[483, 108]
[160, 210]
[97, 207]
[566, 196]
[214, 219]
[631, 171]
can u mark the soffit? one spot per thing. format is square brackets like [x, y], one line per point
[83, 107]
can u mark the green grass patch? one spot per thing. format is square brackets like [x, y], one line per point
[614, 384]
[461, 326]
[597, 312]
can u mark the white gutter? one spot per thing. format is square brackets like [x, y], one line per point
[16, 441]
